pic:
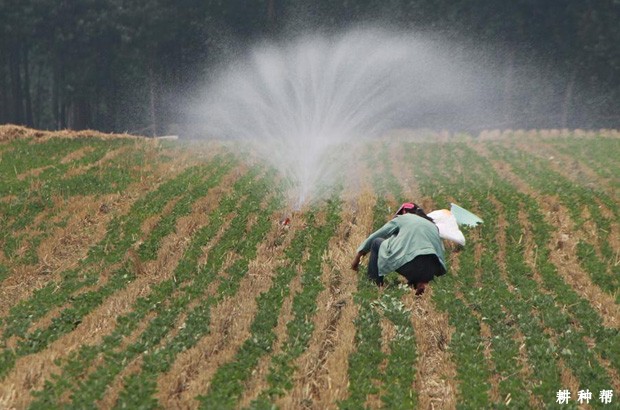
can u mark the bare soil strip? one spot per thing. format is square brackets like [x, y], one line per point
[614, 374]
[65, 247]
[310, 375]
[171, 246]
[322, 377]
[88, 218]
[193, 369]
[435, 381]
[107, 157]
[405, 179]
[526, 371]
[34, 172]
[332, 378]
[103, 319]
[501, 241]
[150, 223]
[562, 247]
[614, 234]
[140, 270]
[258, 382]
[563, 255]
[76, 155]
[117, 386]
[487, 334]
[569, 380]
[569, 167]
[504, 170]
[530, 251]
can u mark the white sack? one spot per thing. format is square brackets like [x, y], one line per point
[448, 228]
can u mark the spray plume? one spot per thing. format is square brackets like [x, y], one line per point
[302, 104]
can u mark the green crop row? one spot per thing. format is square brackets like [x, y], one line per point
[466, 344]
[566, 330]
[384, 184]
[4, 272]
[517, 305]
[580, 311]
[304, 306]
[579, 307]
[517, 323]
[365, 378]
[167, 302]
[122, 232]
[399, 373]
[228, 382]
[167, 223]
[606, 277]
[19, 213]
[55, 294]
[587, 322]
[506, 311]
[52, 180]
[139, 389]
[384, 180]
[522, 306]
[599, 154]
[492, 301]
[552, 308]
[24, 156]
[541, 177]
[365, 361]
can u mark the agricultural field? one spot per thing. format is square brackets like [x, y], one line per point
[138, 273]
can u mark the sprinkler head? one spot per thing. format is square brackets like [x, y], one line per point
[285, 222]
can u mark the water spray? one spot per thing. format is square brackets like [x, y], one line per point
[302, 104]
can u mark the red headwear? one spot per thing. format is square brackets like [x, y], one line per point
[406, 205]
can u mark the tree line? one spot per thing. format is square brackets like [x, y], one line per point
[121, 65]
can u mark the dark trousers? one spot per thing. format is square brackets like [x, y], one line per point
[422, 268]
[373, 262]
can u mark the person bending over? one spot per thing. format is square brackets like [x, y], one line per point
[408, 244]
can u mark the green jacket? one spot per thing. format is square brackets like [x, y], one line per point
[406, 237]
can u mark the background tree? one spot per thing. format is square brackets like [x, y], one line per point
[123, 65]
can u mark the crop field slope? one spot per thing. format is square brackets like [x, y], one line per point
[137, 273]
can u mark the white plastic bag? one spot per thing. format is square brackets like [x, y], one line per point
[448, 228]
